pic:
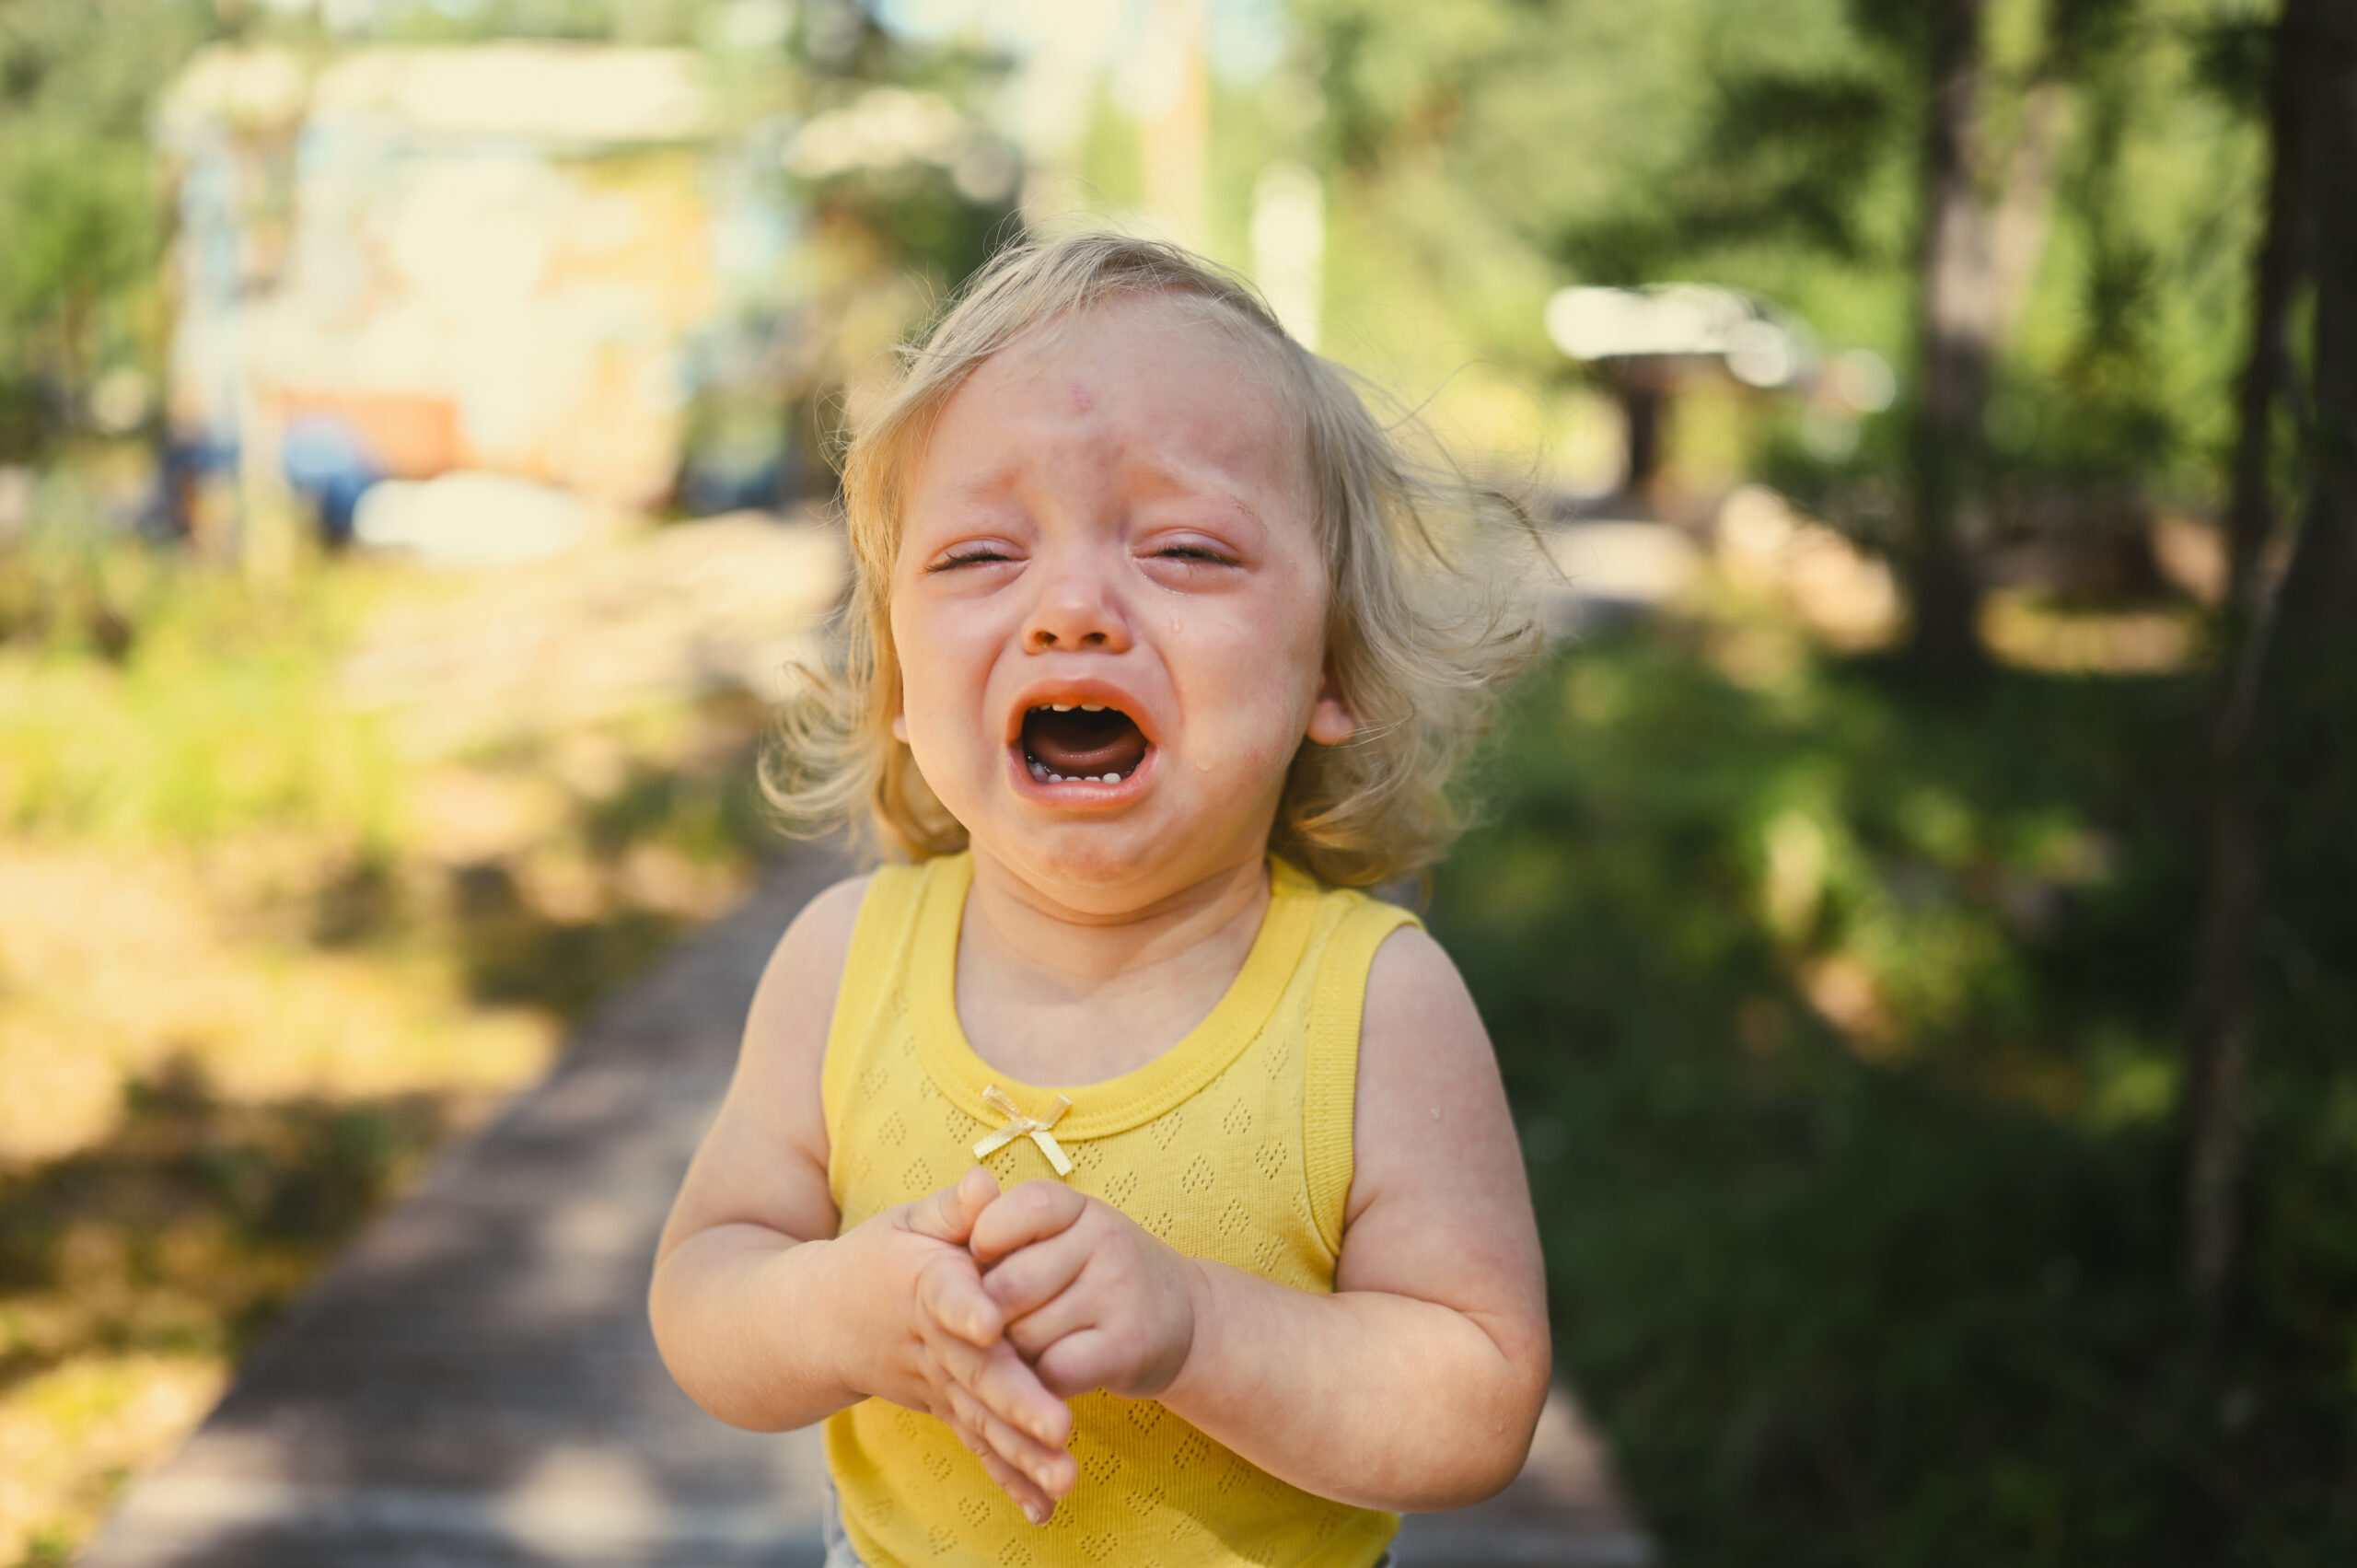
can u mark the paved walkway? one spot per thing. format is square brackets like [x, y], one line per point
[474, 1386]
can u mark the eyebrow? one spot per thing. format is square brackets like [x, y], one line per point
[1206, 483]
[1192, 488]
[986, 486]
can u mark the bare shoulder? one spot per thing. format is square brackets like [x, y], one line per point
[1433, 1143]
[807, 963]
[1419, 1016]
[1439, 1209]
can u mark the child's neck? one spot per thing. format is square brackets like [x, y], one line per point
[1040, 986]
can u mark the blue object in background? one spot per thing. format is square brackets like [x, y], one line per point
[325, 458]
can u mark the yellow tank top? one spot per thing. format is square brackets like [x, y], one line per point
[1233, 1145]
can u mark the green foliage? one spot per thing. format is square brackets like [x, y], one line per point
[1775, 146]
[82, 227]
[1906, 1291]
[1597, 139]
[212, 713]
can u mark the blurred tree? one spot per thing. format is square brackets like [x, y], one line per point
[1990, 129]
[2064, 208]
[2023, 198]
[1982, 230]
[2286, 685]
[890, 234]
[80, 231]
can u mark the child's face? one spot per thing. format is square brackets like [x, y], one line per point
[1116, 514]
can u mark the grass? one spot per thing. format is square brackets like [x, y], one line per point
[1842, 1029]
[258, 957]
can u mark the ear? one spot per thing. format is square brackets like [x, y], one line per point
[900, 728]
[1331, 720]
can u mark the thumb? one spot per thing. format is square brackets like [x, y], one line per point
[949, 1215]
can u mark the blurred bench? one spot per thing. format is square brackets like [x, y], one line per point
[474, 1384]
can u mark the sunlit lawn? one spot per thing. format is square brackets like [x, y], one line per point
[258, 958]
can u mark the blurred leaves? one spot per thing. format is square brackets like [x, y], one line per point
[1773, 147]
[1843, 1031]
[82, 228]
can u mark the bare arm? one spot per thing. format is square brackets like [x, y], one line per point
[733, 1263]
[1418, 1383]
[769, 1321]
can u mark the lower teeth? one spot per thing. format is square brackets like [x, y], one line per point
[1045, 775]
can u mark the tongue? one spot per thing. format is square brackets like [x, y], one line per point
[1083, 744]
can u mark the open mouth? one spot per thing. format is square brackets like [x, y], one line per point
[1081, 743]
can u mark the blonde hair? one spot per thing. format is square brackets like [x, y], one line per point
[1424, 615]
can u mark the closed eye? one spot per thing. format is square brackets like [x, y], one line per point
[1202, 553]
[969, 555]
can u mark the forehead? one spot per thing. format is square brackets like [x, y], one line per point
[1169, 381]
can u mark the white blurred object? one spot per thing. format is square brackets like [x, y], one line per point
[1289, 245]
[1760, 347]
[470, 519]
[884, 127]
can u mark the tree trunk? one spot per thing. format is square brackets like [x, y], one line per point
[2319, 607]
[1957, 326]
[2025, 207]
[2307, 629]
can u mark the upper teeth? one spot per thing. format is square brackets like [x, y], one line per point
[1060, 707]
[1092, 707]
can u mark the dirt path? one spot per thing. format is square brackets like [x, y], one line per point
[474, 1384]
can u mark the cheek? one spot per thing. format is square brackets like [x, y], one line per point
[925, 637]
[934, 678]
[1260, 677]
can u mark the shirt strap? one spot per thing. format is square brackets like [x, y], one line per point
[879, 943]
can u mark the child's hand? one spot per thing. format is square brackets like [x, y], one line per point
[1089, 1297]
[949, 1355]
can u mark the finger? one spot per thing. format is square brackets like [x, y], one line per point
[1060, 1317]
[1032, 1211]
[1021, 1447]
[949, 1215]
[1052, 1473]
[1026, 1453]
[1025, 1280]
[1002, 1382]
[1076, 1363]
[1037, 1505]
[1007, 1386]
[950, 1293]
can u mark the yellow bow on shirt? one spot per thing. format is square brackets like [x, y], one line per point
[1021, 1126]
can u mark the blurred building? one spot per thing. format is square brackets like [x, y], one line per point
[401, 263]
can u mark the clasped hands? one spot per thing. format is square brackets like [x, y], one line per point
[1010, 1303]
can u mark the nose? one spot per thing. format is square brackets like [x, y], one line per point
[1076, 609]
